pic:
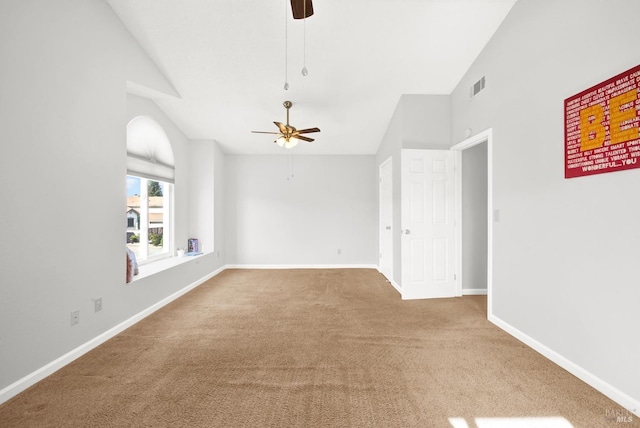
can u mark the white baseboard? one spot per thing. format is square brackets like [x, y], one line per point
[396, 286]
[474, 291]
[390, 280]
[624, 400]
[346, 266]
[55, 365]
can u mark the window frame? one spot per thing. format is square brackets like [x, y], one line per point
[168, 225]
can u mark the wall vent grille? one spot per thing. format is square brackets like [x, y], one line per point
[477, 87]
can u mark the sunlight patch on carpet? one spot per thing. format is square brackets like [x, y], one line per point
[527, 422]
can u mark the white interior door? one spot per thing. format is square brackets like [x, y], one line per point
[428, 224]
[386, 220]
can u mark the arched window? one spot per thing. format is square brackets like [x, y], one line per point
[150, 177]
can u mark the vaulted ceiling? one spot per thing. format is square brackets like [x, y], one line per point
[228, 60]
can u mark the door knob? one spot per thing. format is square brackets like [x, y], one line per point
[407, 231]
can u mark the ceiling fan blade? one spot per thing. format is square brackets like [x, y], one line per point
[281, 127]
[303, 138]
[265, 132]
[298, 7]
[306, 131]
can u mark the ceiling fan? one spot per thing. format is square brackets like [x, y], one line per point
[301, 8]
[289, 135]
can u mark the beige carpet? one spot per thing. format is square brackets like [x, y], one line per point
[311, 348]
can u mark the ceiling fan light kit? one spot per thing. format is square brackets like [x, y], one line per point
[289, 143]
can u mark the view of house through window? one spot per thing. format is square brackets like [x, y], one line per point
[148, 222]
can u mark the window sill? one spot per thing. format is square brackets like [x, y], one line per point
[152, 268]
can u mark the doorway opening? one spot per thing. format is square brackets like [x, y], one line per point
[485, 137]
[385, 260]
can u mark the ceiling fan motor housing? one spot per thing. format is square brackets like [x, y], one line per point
[301, 8]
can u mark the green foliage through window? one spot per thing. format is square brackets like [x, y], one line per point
[155, 239]
[154, 188]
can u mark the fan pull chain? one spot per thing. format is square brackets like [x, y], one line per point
[304, 47]
[286, 50]
[289, 167]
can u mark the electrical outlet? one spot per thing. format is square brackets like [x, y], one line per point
[97, 304]
[75, 317]
[339, 251]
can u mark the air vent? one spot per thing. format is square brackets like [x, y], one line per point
[477, 87]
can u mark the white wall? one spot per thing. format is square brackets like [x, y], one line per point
[206, 197]
[63, 115]
[474, 218]
[219, 208]
[329, 203]
[426, 121]
[201, 212]
[565, 251]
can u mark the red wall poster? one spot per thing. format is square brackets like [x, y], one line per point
[602, 127]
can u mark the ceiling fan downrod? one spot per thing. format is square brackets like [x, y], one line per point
[287, 105]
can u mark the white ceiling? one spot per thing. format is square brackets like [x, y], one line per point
[226, 59]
